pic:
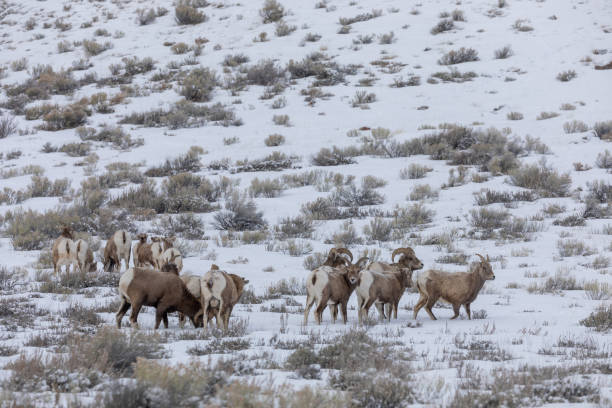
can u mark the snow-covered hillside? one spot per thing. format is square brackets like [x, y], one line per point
[263, 134]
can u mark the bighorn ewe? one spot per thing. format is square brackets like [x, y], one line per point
[85, 257]
[458, 289]
[64, 251]
[221, 290]
[331, 286]
[408, 260]
[142, 240]
[165, 291]
[145, 253]
[172, 255]
[158, 247]
[118, 247]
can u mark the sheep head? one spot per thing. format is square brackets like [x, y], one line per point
[171, 268]
[168, 242]
[352, 271]
[142, 238]
[67, 232]
[336, 257]
[408, 259]
[483, 268]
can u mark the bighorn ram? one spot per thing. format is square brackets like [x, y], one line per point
[85, 257]
[408, 260]
[118, 247]
[158, 247]
[458, 289]
[331, 286]
[221, 290]
[384, 284]
[336, 257]
[165, 291]
[172, 255]
[142, 240]
[64, 251]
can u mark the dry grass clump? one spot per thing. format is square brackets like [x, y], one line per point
[575, 126]
[603, 130]
[443, 26]
[344, 21]
[504, 52]
[566, 76]
[93, 48]
[414, 171]
[459, 56]
[600, 319]
[8, 126]
[240, 214]
[514, 116]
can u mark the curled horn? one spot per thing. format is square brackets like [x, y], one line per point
[173, 257]
[362, 259]
[482, 258]
[404, 251]
[346, 252]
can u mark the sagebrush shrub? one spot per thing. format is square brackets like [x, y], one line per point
[185, 14]
[272, 11]
[199, 85]
[545, 180]
[459, 56]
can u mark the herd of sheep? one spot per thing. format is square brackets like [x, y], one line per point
[155, 281]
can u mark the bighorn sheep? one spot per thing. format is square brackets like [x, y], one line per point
[118, 247]
[172, 255]
[220, 290]
[336, 257]
[142, 240]
[331, 286]
[458, 289]
[145, 253]
[64, 251]
[85, 257]
[158, 247]
[165, 291]
[407, 260]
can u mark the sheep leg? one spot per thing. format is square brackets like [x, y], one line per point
[219, 316]
[381, 310]
[360, 301]
[333, 309]
[181, 320]
[366, 307]
[395, 306]
[467, 310]
[456, 311]
[134, 316]
[430, 303]
[125, 306]
[309, 302]
[319, 311]
[228, 313]
[159, 314]
[419, 305]
[344, 312]
[165, 319]
[388, 309]
[204, 304]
